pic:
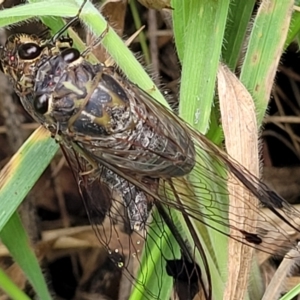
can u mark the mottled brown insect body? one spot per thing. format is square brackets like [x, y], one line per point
[95, 107]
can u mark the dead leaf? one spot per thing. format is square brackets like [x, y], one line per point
[241, 139]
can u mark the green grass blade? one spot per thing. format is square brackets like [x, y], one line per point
[13, 235]
[16, 180]
[123, 57]
[142, 36]
[264, 49]
[20, 174]
[201, 32]
[152, 278]
[240, 13]
[292, 293]
[10, 288]
[19, 13]
[293, 33]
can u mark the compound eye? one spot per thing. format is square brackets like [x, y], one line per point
[41, 104]
[29, 51]
[70, 55]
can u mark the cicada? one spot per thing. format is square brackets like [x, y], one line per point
[130, 154]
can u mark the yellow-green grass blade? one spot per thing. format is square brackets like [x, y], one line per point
[20, 174]
[264, 49]
[294, 30]
[142, 36]
[16, 180]
[14, 236]
[123, 57]
[28, 11]
[292, 293]
[10, 288]
[152, 279]
[199, 30]
[239, 16]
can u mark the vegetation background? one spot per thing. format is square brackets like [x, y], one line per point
[248, 37]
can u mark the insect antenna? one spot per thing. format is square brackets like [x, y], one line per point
[96, 42]
[69, 24]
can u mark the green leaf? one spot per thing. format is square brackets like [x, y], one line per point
[240, 13]
[292, 293]
[24, 169]
[294, 29]
[199, 30]
[16, 180]
[10, 288]
[264, 49]
[16, 240]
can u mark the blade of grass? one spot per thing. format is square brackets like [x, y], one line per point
[13, 235]
[199, 28]
[292, 293]
[241, 139]
[10, 288]
[199, 45]
[20, 174]
[294, 29]
[240, 13]
[152, 278]
[142, 36]
[123, 57]
[264, 50]
[200, 35]
[16, 180]
[9, 16]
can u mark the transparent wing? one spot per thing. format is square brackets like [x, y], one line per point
[109, 215]
[202, 194]
[200, 197]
